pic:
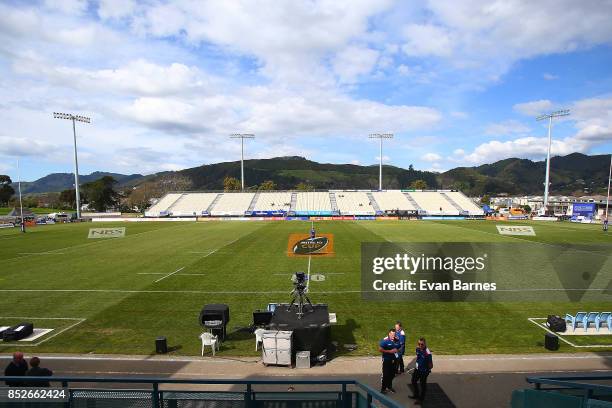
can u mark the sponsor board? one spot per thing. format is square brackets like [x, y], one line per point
[303, 245]
[6, 225]
[118, 232]
[545, 219]
[515, 230]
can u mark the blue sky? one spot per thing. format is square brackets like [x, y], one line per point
[459, 82]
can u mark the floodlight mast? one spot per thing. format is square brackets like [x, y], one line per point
[380, 136]
[242, 136]
[550, 116]
[74, 119]
[608, 196]
[23, 229]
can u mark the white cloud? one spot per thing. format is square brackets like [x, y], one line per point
[115, 9]
[549, 77]
[506, 128]
[492, 35]
[459, 115]
[353, 62]
[525, 147]
[432, 157]
[533, 108]
[427, 40]
[24, 147]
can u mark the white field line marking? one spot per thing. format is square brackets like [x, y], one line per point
[101, 241]
[215, 250]
[252, 292]
[170, 274]
[308, 278]
[178, 274]
[41, 253]
[532, 320]
[78, 321]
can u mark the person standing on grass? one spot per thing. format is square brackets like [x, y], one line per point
[424, 364]
[605, 224]
[16, 368]
[400, 335]
[37, 371]
[389, 348]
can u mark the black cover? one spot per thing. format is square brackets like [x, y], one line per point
[161, 345]
[214, 313]
[551, 342]
[15, 333]
[262, 317]
[556, 323]
[310, 333]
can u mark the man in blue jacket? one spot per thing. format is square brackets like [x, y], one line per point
[424, 364]
[388, 347]
[400, 335]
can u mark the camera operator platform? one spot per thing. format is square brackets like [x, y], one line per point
[299, 293]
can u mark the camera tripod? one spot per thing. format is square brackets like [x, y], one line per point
[299, 295]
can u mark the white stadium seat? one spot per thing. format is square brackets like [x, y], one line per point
[433, 203]
[465, 203]
[273, 202]
[436, 203]
[313, 201]
[393, 200]
[192, 204]
[354, 203]
[232, 204]
[163, 204]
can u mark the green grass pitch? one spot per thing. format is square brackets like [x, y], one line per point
[54, 275]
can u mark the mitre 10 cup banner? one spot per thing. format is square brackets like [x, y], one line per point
[304, 245]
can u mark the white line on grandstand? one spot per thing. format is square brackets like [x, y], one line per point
[170, 274]
[532, 320]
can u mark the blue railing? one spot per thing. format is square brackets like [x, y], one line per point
[588, 390]
[343, 396]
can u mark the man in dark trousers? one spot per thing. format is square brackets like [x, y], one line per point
[424, 364]
[605, 224]
[400, 335]
[388, 347]
[16, 368]
[37, 371]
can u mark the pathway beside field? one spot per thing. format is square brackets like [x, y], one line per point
[455, 382]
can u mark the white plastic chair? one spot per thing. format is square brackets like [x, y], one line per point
[208, 339]
[258, 337]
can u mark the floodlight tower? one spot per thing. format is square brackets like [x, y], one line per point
[550, 116]
[608, 196]
[74, 119]
[23, 229]
[242, 136]
[381, 136]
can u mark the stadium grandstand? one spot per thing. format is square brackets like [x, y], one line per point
[332, 203]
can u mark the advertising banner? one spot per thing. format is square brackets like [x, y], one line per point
[304, 245]
[118, 232]
[515, 230]
[583, 209]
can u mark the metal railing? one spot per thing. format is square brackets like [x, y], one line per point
[343, 396]
[576, 382]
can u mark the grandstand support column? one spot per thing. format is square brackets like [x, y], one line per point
[74, 119]
[242, 136]
[550, 117]
[380, 136]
